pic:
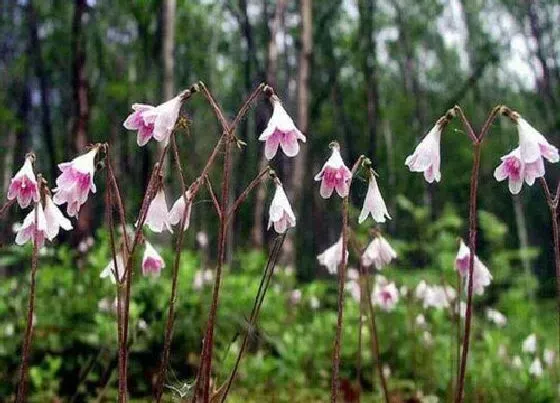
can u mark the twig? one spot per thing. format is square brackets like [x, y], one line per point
[171, 312]
[243, 196]
[5, 207]
[22, 384]
[213, 197]
[259, 298]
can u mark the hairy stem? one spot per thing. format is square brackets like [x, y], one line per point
[172, 299]
[472, 246]
[335, 377]
[22, 383]
[259, 298]
[553, 206]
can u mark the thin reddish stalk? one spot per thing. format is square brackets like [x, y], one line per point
[5, 207]
[259, 298]
[22, 383]
[360, 326]
[375, 339]
[477, 142]
[243, 196]
[472, 247]
[213, 197]
[335, 376]
[171, 311]
[553, 206]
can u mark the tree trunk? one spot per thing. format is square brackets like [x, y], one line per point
[36, 56]
[257, 233]
[368, 47]
[80, 103]
[168, 49]
[299, 177]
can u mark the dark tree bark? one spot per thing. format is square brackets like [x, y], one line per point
[41, 74]
[80, 103]
[368, 47]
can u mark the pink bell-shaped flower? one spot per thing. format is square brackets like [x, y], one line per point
[481, 275]
[385, 294]
[27, 230]
[280, 131]
[427, 156]
[178, 209]
[75, 182]
[516, 171]
[334, 175]
[331, 258]
[54, 219]
[533, 145]
[157, 215]
[280, 213]
[378, 253]
[152, 262]
[154, 121]
[23, 186]
[374, 203]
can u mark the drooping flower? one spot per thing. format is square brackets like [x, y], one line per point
[379, 253]
[533, 145]
[353, 287]
[385, 294]
[23, 186]
[280, 213]
[374, 203]
[109, 270]
[54, 219]
[334, 175]
[513, 168]
[497, 317]
[427, 157]
[420, 290]
[332, 257]
[549, 357]
[152, 262]
[280, 131]
[178, 209]
[481, 275]
[154, 121]
[201, 278]
[157, 217]
[536, 368]
[530, 344]
[437, 297]
[27, 230]
[75, 182]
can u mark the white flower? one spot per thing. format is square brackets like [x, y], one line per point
[314, 302]
[516, 362]
[109, 270]
[536, 368]
[295, 297]
[157, 215]
[23, 185]
[497, 317]
[436, 297]
[178, 209]
[280, 213]
[530, 344]
[334, 175]
[374, 203]
[426, 157]
[549, 357]
[27, 230]
[533, 145]
[481, 277]
[54, 219]
[420, 320]
[379, 253]
[331, 258]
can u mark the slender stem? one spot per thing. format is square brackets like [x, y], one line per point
[458, 325]
[375, 340]
[335, 376]
[360, 326]
[22, 384]
[243, 196]
[118, 201]
[213, 197]
[122, 385]
[176, 263]
[5, 207]
[472, 246]
[553, 206]
[466, 123]
[259, 298]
